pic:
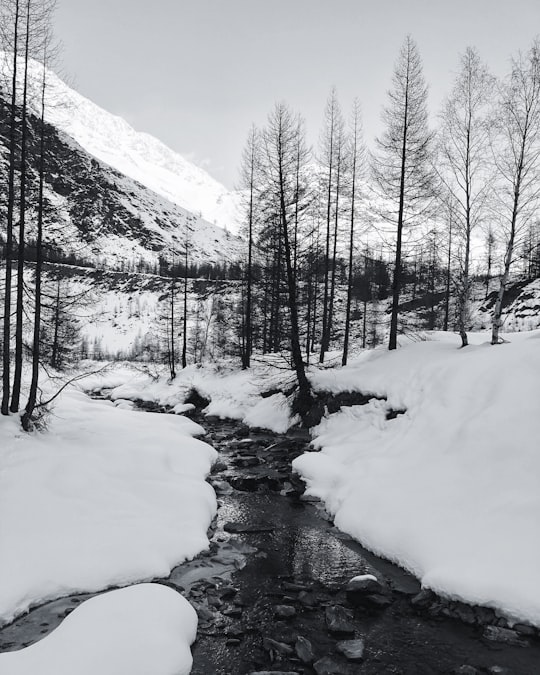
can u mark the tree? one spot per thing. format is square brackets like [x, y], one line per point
[331, 146]
[357, 156]
[36, 352]
[279, 166]
[518, 160]
[401, 165]
[17, 373]
[26, 32]
[250, 162]
[464, 148]
[13, 21]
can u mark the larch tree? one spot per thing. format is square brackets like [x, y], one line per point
[517, 155]
[279, 166]
[464, 167]
[401, 165]
[357, 156]
[249, 172]
[330, 146]
[19, 305]
[11, 20]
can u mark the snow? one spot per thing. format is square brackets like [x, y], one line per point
[138, 155]
[232, 394]
[137, 630]
[449, 489]
[106, 497]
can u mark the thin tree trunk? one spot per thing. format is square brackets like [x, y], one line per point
[6, 343]
[248, 327]
[448, 278]
[32, 395]
[17, 373]
[184, 318]
[330, 318]
[396, 281]
[327, 249]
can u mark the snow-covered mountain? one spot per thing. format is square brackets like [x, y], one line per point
[138, 155]
[101, 213]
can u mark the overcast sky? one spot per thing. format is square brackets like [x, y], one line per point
[197, 73]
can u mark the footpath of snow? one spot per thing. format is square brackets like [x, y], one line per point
[138, 630]
[450, 489]
[233, 394]
[106, 497]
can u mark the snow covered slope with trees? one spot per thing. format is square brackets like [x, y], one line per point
[97, 214]
[138, 155]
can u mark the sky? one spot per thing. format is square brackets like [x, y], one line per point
[197, 73]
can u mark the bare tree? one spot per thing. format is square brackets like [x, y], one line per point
[464, 167]
[11, 21]
[357, 153]
[279, 167]
[250, 162]
[518, 160]
[401, 167]
[333, 129]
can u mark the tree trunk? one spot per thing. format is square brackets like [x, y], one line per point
[32, 395]
[17, 373]
[6, 343]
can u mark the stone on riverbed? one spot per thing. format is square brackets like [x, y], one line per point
[506, 635]
[338, 619]
[304, 650]
[284, 611]
[352, 650]
[327, 666]
[366, 588]
[275, 647]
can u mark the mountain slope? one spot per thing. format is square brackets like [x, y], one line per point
[138, 155]
[105, 217]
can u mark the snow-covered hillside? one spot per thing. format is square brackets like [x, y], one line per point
[138, 155]
[105, 217]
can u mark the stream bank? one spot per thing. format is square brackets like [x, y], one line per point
[271, 591]
[288, 608]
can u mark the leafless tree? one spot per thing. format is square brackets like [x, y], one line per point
[464, 166]
[401, 165]
[517, 155]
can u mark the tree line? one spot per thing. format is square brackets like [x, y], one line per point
[309, 211]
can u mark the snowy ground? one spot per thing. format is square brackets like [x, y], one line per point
[106, 497]
[138, 630]
[233, 393]
[450, 489]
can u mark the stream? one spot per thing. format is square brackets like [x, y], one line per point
[271, 591]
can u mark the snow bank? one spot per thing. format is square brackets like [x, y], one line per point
[137, 630]
[106, 497]
[450, 489]
[233, 394]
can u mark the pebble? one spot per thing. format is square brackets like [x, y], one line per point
[506, 635]
[278, 647]
[327, 666]
[352, 650]
[338, 620]
[304, 650]
[284, 611]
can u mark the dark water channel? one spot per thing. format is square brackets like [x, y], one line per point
[270, 592]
